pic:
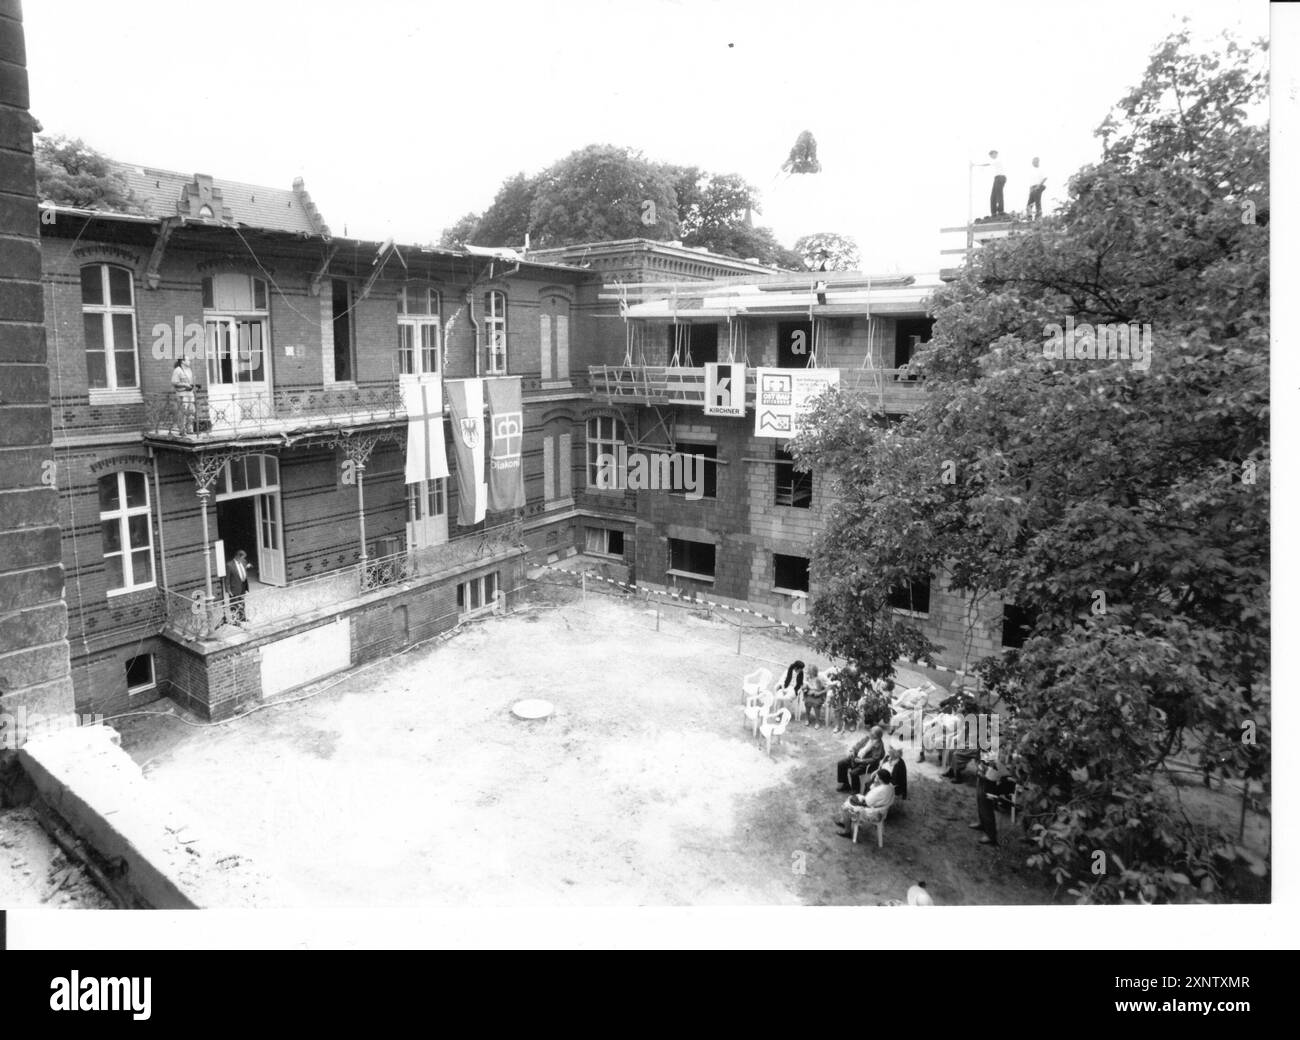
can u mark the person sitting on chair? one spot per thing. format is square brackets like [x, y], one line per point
[894, 767]
[814, 696]
[864, 757]
[788, 692]
[879, 796]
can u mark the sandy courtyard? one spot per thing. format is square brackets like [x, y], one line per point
[410, 782]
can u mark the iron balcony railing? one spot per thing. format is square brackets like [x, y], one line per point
[231, 412]
[892, 389]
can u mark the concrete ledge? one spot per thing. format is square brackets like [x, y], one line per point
[148, 845]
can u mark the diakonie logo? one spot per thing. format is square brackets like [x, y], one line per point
[651, 471]
[1114, 342]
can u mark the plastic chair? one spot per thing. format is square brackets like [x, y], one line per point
[757, 707]
[754, 682]
[874, 815]
[775, 726]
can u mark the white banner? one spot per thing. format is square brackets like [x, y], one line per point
[426, 447]
[724, 389]
[783, 396]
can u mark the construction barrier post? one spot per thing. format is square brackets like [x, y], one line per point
[740, 630]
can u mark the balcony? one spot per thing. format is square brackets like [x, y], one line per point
[893, 390]
[229, 413]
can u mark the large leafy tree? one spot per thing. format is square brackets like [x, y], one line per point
[1123, 507]
[603, 192]
[71, 173]
[827, 251]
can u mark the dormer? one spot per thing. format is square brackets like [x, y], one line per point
[200, 200]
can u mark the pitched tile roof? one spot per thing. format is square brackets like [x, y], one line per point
[166, 193]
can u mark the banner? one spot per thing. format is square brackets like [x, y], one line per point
[505, 486]
[465, 396]
[783, 396]
[426, 445]
[724, 389]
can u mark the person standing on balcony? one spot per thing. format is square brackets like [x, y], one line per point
[996, 207]
[183, 388]
[1037, 182]
[237, 586]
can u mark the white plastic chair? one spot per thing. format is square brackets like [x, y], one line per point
[754, 682]
[874, 815]
[757, 708]
[775, 726]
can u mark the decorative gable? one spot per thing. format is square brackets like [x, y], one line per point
[200, 200]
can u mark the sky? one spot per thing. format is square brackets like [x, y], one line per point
[403, 116]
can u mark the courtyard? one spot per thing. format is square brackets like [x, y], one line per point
[410, 782]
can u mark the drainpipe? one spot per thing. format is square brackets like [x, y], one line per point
[157, 497]
[469, 300]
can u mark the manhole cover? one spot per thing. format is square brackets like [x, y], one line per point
[533, 709]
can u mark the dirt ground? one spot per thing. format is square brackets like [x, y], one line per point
[410, 783]
[34, 872]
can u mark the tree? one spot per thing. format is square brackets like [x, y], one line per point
[803, 156]
[1124, 503]
[827, 251]
[462, 232]
[71, 173]
[600, 193]
[716, 213]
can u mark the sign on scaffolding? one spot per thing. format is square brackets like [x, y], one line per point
[785, 396]
[724, 389]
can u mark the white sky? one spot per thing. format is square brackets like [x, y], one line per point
[407, 117]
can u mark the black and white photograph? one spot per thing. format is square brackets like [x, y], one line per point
[584, 457]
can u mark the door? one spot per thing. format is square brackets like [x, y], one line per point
[270, 538]
[426, 513]
[238, 369]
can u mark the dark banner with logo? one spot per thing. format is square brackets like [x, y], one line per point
[465, 398]
[505, 484]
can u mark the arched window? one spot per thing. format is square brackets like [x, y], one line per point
[555, 338]
[605, 436]
[127, 530]
[419, 330]
[108, 318]
[494, 327]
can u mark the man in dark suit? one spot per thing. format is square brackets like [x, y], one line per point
[237, 586]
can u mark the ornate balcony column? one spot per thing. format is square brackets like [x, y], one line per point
[359, 448]
[205, 467]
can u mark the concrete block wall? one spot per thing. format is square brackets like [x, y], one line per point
[35, 670]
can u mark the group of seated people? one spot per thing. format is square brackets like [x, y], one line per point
[875, 775]
[839, 694]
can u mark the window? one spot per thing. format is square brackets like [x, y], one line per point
[791, 573]
[1017, 622]
[494, 330]
[792, 487]
[704, 467]
[420, 505]
[555, 338]
[236, 319]
[477, 594]
[557, 467]
[910, 333]
[604, 542]
[344, 363]
[419, 331]
[696, 344]
[140, 674]
[605, 437]
[127, 531]
[794, 341]
[691, 559]
[108, 319]
[914, 596]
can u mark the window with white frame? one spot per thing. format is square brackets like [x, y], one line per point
[494, 331]
[108, 320]
[432, 502]
[419, 330]
[127, 531]
[604, 541]
[140, 676]
[477, 593]
[605, 435]
[236, 319]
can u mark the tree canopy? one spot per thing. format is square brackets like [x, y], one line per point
[1121, 504]
[71, 173]
[827, 251]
